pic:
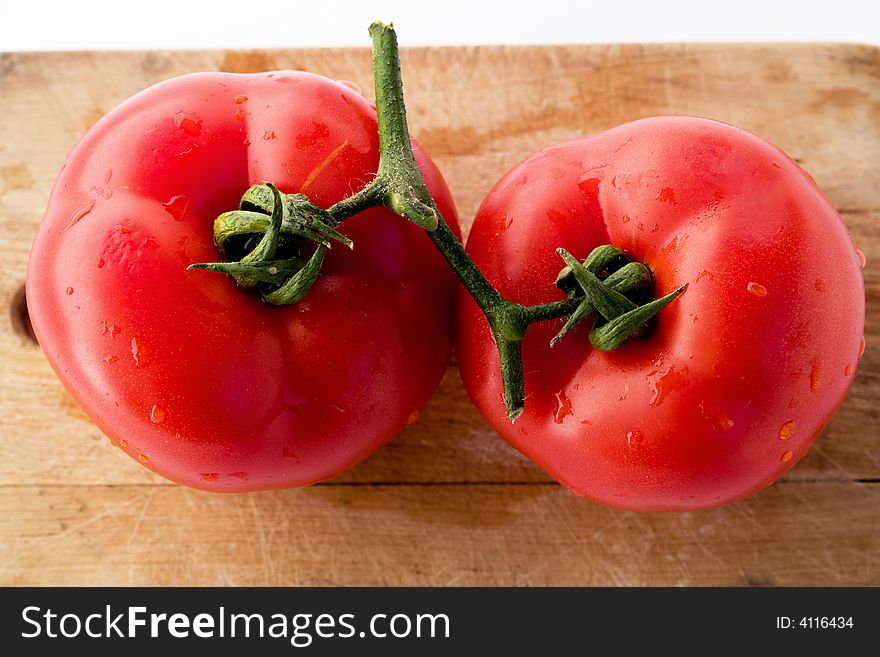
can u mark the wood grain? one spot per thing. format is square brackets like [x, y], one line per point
[447, 502]
[479, 534]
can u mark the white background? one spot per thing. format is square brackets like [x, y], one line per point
[104, 24]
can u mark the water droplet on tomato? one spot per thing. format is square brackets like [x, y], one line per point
[861, 256]
[177, 206]
[849, 369]
[412, 418]
[756, 289]
[776, 164]
[109, 329]
[157, 414]
[69, 291]
[189, 123]
[210, 477]
[77, 216]
[108, 175]
[666, 195]
[667, 382]
[143, 458]
[716, 417]
[623, 395]
[625, 218]
[671, 247]
[137, 352]
[634, 438]
[110, 359]
[785, 430]
[269, 135]
[815, 374]
[238, 100]
[123, 443]
[862, 347]
[787, 456]
[100, 263]
[563, 407]
[589, 187]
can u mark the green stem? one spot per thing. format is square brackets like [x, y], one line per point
[369, 197]
[405, 192]
[552, 310]
[512, 375]
[409, 196]
[398, 168]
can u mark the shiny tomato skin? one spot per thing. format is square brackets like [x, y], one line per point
[196, 379]
[743, 370]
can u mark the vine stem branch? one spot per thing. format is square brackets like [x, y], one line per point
[400, 186]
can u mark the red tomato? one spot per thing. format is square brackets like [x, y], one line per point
[743, 370]
[198, 380]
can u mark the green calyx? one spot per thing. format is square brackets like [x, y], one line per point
[281, 228]
[613, 299]
[286, 223]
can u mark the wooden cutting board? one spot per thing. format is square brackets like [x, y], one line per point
[447, 502]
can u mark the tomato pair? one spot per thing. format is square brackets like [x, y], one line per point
[209, 386]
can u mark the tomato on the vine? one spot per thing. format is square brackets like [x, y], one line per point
[741, 372]
[195, 378]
